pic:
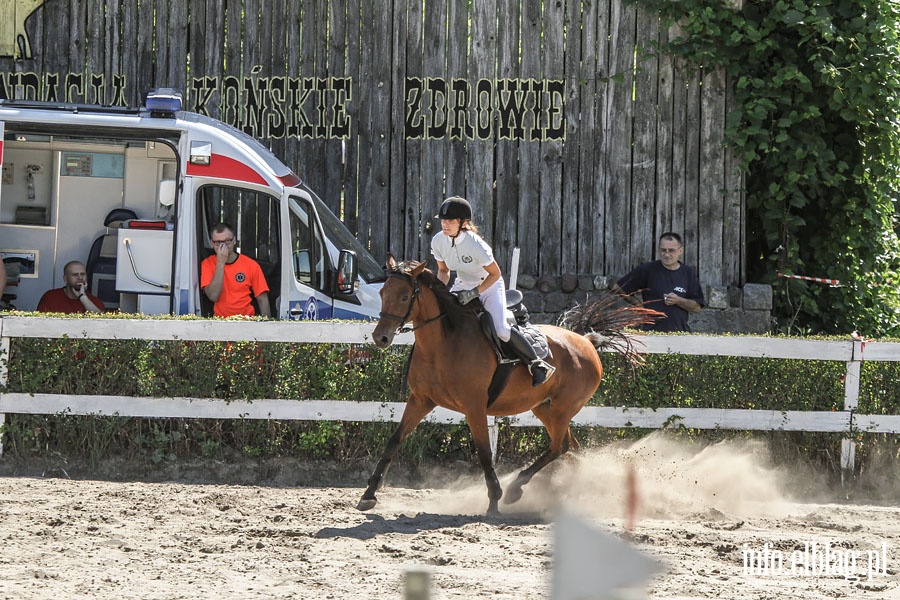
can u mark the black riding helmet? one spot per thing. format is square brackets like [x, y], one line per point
[455, 208]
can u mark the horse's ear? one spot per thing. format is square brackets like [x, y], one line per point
[391, 264]
[418, 268]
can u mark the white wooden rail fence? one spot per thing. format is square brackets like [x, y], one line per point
[845, 421]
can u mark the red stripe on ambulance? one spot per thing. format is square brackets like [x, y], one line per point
[224, 167]
[291, 180]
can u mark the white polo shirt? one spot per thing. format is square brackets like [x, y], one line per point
[467, 254]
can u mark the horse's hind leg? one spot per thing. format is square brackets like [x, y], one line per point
[561, 439]
[514, 491]
[415, 411]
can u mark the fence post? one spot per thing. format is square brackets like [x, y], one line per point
[851, 403]
[493, 434]
[514, 269]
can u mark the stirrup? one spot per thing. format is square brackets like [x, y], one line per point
[540, 371]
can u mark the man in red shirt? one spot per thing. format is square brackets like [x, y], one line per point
[73, 297]
[232, 280]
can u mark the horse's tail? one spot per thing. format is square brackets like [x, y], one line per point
[603, 321]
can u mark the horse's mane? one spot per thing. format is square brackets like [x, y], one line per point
[457, 315]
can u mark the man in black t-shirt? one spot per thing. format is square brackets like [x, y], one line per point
[666, 285]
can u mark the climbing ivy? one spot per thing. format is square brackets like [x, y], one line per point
[816, 126]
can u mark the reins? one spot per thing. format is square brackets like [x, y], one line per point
[412, 301]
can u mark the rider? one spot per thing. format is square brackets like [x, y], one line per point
[459, 247]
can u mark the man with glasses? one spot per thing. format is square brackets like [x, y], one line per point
[232, 280]
[666, 285]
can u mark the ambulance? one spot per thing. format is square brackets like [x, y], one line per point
[132, 193]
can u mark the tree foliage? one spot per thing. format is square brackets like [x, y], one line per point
[817, 129]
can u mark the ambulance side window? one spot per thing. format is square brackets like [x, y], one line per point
[254, 214]
[256, 219]
[307, 249]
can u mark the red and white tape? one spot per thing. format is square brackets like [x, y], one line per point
[862, 344]
[816, 279]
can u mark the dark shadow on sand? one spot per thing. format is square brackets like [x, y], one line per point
[377, 525]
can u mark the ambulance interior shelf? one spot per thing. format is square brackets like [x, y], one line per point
[25, 192]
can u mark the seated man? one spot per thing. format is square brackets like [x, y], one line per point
[232, 280]
[73, 297]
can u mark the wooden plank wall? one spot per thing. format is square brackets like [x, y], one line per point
[578, 145]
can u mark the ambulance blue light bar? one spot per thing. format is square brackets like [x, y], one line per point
[163, 101]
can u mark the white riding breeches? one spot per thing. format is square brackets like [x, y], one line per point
[494, 301]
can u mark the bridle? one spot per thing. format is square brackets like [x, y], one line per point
[414, 283]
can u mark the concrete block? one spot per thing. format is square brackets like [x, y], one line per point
[716, 297]
[757, 296]
[533, 300]
[526, 281]
[730, 320]
[602, 282]
[568, 283]
[556, 302]
[547, 283]
[734, 297]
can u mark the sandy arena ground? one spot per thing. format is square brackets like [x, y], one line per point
[700, 515]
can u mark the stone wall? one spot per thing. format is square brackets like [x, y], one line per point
[728, 310]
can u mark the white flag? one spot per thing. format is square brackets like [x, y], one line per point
[589, 564]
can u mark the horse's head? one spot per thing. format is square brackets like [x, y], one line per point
[398, 299]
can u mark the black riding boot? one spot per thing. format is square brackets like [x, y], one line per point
[540, 370]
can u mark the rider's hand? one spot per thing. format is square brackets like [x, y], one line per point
[467, 296]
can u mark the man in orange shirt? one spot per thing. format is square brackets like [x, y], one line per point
[232, 280]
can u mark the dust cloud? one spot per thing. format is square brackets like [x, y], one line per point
[673, 478]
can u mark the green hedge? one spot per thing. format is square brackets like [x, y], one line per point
[250, 370]
[242, 371]
[228, 370]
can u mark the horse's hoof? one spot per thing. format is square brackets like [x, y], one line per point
[366, 504]
[493, 511]
[512, 495]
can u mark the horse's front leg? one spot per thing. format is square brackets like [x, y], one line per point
[479, 428]
[415, 411]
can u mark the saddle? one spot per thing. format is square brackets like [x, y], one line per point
[519, 320]
[507, 359]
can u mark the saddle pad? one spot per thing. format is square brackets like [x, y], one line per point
[537, 339]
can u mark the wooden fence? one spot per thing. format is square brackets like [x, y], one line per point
[846, 421]
[573, 141]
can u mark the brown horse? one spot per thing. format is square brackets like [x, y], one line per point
[453, 363]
